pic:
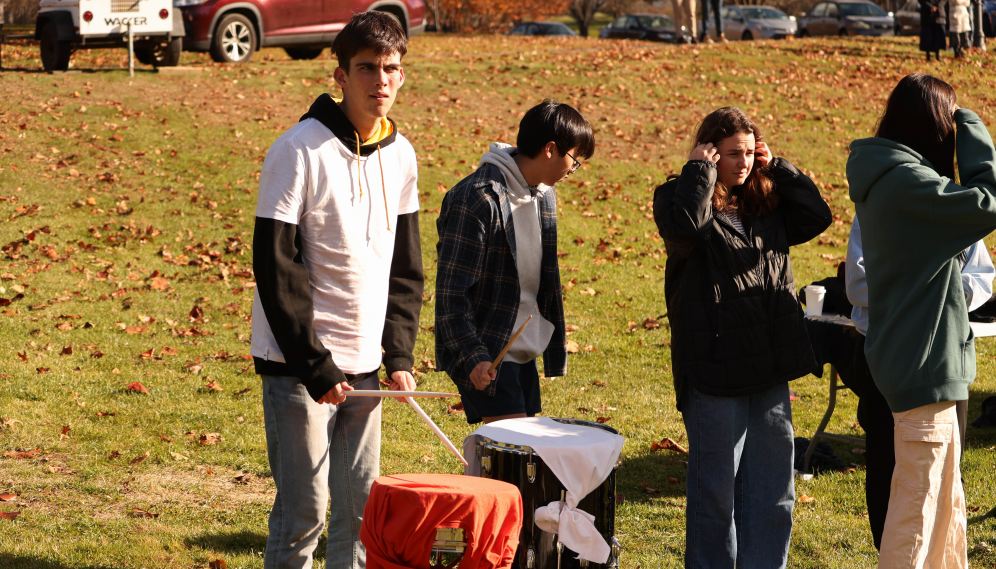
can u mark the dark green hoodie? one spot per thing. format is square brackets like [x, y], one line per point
[914, 222]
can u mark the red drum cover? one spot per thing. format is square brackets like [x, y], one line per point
[404, 510]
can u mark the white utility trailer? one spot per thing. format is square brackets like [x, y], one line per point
[152, 29]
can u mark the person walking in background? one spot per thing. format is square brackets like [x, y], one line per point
[338, 263]
[498, 266]
[737, 336]
[915, 222]
[717, 10]
[684, 19]
[874, 415]
[960, 26]
[933, 18]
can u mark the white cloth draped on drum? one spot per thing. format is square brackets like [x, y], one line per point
[581, 458]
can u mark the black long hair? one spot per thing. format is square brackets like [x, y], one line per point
[919, 115]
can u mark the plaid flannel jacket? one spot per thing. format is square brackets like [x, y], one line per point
[477, 283]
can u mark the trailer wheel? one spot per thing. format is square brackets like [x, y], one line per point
[54, 52]
[234, 40]
[165, 54]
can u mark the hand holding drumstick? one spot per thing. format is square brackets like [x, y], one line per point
[484, 372]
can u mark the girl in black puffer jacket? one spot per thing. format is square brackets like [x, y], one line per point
[738, 335]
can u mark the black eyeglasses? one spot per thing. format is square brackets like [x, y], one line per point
[575, 166]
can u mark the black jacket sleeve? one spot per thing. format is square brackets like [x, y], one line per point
[806, 213]
[284, 288]
[404, 296]
[683, 208]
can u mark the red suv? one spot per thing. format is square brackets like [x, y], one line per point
[231, 30]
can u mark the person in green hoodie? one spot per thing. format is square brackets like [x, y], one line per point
[915, 220]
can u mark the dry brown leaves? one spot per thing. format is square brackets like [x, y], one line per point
[137, 387]
[139, 513]
[23, 455]
[9, 515]
[210, 438]
[668, 444]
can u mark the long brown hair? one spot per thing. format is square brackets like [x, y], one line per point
[756, 196]
[918, 115]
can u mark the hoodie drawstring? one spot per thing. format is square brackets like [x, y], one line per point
[359, 178]
[383, 185]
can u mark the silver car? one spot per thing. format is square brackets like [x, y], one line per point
[750, 22]
[847, 18]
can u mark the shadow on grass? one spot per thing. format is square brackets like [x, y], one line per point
[235, 542]
[642, 478]
[14, 561]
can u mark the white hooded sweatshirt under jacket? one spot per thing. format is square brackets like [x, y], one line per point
[525, 203]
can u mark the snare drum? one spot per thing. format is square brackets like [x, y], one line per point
[522, 467]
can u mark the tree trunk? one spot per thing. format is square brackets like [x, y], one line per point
[583, 29]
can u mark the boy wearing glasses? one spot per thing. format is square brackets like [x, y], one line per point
[498, 266]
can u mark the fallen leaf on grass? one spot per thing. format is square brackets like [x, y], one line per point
[166, 438]
[210, 438]
[65, 433]
[158, 283]
[168, 351]
[600, 383]
[213, 386]
[244, 479]
[5, 497]
[177, 456]
[604, 419]
[9, 515]
[24, 454]
[573, 347]
[138, 459]
[139, 513]
[455, 409]
[97, 354]
[805, 499]
[106, 413]
[42, 369]
[135, 329]
[651, 323]
[217, 564]
[243, 391]
[114, 454]
[67, 351]
[648, 489]
[148, 355]
[137, 387]
[668, 444]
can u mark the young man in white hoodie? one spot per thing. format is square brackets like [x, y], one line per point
[498, 266]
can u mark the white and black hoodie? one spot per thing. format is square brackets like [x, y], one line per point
[336, 252]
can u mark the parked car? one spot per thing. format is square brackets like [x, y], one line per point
[232, 30]
[651, 27]
[63, 26]
[750, 22]
[847, 18]
[541, 29]
[908, 19]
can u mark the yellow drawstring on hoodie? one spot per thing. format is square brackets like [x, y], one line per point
[384, 188]
[383, 185]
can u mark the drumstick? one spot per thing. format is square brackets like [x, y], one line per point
[435, 429]
[381, 393]
[515, 337]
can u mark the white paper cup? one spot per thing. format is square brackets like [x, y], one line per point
[814, 300]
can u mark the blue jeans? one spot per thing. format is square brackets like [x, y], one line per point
[740, 479]
[314, 449]
[717, 8]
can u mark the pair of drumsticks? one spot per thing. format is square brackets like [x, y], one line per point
[410, 395]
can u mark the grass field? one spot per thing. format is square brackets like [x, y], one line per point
[127, 208]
